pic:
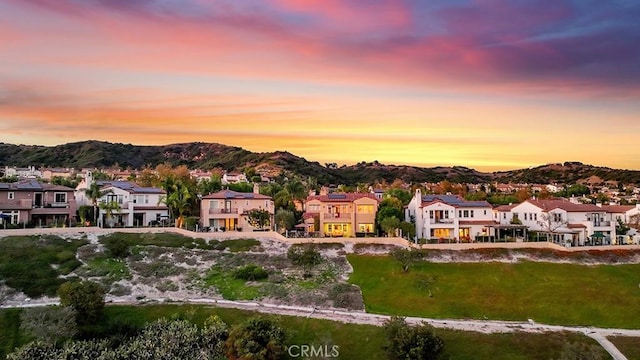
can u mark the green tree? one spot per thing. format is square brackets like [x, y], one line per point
[621, 227]
[403, 195]
[110, 208]
[408, 229]
[84, 213]
[94, 192]
[390, 224]
[179, 201]
[411, 342]
[285, 219]
[259, 218]
[256, 339]
[86, 298]
[406, 257]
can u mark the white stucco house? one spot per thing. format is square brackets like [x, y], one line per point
[139, 206]
[563, 221]
[449, 217]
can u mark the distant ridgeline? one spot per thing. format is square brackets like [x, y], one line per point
[197, 155]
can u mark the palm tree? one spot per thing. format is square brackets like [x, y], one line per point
[178, 201]
[94, 193]
[109, 208]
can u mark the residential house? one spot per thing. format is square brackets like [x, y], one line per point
[139, 206]
[22, 173]
[41, 204]
[341, 214]
[233, 178]
[449, 217]
[564, 221]
[228, 210]
[50, 173]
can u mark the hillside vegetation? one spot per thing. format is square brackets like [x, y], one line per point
[209, 156]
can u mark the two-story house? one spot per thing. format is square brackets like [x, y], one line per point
[228, 210]
[138, 206]
[565, 222]
[39, 204]
[449, 217]
[341, 214]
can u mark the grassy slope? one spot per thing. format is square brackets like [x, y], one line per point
[355, 341]
[606, 296]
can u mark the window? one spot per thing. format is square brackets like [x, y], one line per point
[120, 199]
[459, 213]
[485, 212]
[365, 228]
[465, 213]
[504, 215]
[525, 216]
[313, 208]
[11, 195]
[365, 209]
[60, 197]
[430, 214]
[471, 213]
[535, 216]
[557, 217]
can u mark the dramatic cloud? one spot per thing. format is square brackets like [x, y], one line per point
[409, 81]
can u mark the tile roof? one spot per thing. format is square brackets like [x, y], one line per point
[130, 187]
[342, 197]
[566, 205]
[453, 200]
[230, 194]
[618, 208]
[505, 207]
[32, 185]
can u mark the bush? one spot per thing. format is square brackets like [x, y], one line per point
[411, 342]
[250, 273]
[258, 339]
[86, 298]
[117, 247]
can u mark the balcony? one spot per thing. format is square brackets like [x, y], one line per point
[440, 221]
[224, 211]
[602, 223]
[336, 216]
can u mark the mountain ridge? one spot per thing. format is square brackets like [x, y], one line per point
[207, 156]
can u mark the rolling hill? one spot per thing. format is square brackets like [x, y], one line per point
[207, 156]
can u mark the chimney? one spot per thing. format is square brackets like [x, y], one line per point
[256, 188]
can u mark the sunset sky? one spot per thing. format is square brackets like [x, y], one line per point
[488, 84]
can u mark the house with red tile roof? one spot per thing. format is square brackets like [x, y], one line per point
[565, 222]
[229, 210]
[341, 214]
[449, 217]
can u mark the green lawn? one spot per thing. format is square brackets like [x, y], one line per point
[629, 346]
[568, 294]
[355, 341]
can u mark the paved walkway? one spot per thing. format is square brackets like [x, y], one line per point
[360, 317]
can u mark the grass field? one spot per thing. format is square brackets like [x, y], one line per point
[567, 294]
[355, 341]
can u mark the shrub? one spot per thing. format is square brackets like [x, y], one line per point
[411, 342]
[258, 339]
[250, 273]
[86, 298]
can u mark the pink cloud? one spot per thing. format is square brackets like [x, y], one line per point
[353, 15]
